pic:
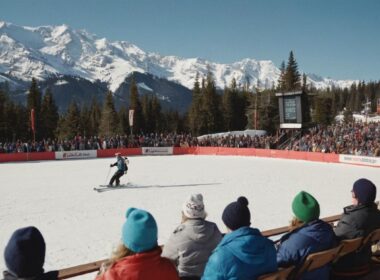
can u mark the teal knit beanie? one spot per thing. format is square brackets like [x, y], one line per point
[305, 207]
[139, 232]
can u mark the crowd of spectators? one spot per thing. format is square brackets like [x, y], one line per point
[354, 138]
[197, 249]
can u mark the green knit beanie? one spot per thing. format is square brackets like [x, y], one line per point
[305, 207]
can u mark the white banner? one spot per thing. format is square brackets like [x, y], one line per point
[131, 113]
[157, 151]
[76, 154]
[369, 161]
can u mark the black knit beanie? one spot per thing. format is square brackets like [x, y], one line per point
[25, 252]
[365, 191]
[236, 214]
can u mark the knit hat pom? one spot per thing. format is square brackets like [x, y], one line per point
[237, 214]
[243, 200]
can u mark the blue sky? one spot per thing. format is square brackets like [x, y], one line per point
[332, 38]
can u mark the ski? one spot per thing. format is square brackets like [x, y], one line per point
[104, 188]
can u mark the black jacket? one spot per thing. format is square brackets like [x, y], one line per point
[357, 221]
[52, 275]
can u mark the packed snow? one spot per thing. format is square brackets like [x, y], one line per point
[81, 225]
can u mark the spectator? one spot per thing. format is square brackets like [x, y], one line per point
[243, 252]
[358, 220]
[308, 235]
[138, 257]
[192, 242]
[25, 256]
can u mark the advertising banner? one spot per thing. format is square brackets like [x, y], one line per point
[76, 154]
[360, 160]
[157, 151]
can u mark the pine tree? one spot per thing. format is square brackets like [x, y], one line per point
[292, 76]
[135, 104]
[49, 116]
[69, 123]
[156, 114]
[282, 79]
[195, 107]
[124, 120]
[95, 116]
[323, 110]
[211, 120]
[109, 122]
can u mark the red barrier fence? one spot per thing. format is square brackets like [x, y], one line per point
[309, 156]
[124, 152]
[27, 156]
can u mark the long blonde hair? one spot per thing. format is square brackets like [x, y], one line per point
[120, 252]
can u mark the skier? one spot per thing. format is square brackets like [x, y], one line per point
[122, 168]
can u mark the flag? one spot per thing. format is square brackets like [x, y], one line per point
[131, 112]
[32, 120]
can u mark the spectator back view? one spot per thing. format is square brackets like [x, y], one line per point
[192, 242]
[139, 257]
[308, 235]
[358, 220]
[243, 253]
[24, 256]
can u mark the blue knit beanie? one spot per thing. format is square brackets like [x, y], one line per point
[24, 254]
[365, 191]
[236, 214]
[139, 232]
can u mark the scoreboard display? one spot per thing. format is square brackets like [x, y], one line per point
[290, 107]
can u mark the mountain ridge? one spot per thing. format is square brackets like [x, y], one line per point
[46, 51]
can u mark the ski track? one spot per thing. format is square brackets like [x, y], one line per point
[81, 225]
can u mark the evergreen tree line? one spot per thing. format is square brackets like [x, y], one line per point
[237, 107]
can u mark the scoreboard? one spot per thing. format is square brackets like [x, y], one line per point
[290, 107]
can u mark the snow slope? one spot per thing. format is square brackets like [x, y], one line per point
[39, 52]
[81, 225]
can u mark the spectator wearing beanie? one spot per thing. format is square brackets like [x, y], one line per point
[308, 235]
[243, 252]
[192, 242]
[139, 256]
[358, 220]
[24, 256]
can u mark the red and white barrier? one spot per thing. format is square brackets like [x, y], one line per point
[308, 156]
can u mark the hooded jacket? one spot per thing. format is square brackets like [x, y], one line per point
[312, 237]
[357, 221]
[191, 245]
[52, 275]
[242, 254]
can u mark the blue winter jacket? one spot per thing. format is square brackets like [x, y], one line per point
[121, 166]
[313, 237]
[242, 254]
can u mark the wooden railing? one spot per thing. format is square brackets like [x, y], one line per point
[94, 266]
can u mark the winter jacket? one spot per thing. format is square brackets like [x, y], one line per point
[191, 245]
[121, 166]
[143, 266]
[242, 254]
[312, 237]
[52, 275]
[356, 221]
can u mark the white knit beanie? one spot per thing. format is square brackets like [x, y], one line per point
[193, 207]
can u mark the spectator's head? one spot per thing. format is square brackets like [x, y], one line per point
[305, 207]
[236, 214]
[193, 208]
[364, 192]
[139, 232]
[25, 253]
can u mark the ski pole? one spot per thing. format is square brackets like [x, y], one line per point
[109, 171]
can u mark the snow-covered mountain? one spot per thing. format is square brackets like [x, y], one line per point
[46, 51]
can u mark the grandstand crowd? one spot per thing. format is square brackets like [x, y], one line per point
[354, 138]
[198, 250]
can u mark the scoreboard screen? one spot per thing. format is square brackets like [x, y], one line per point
[290, 109]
